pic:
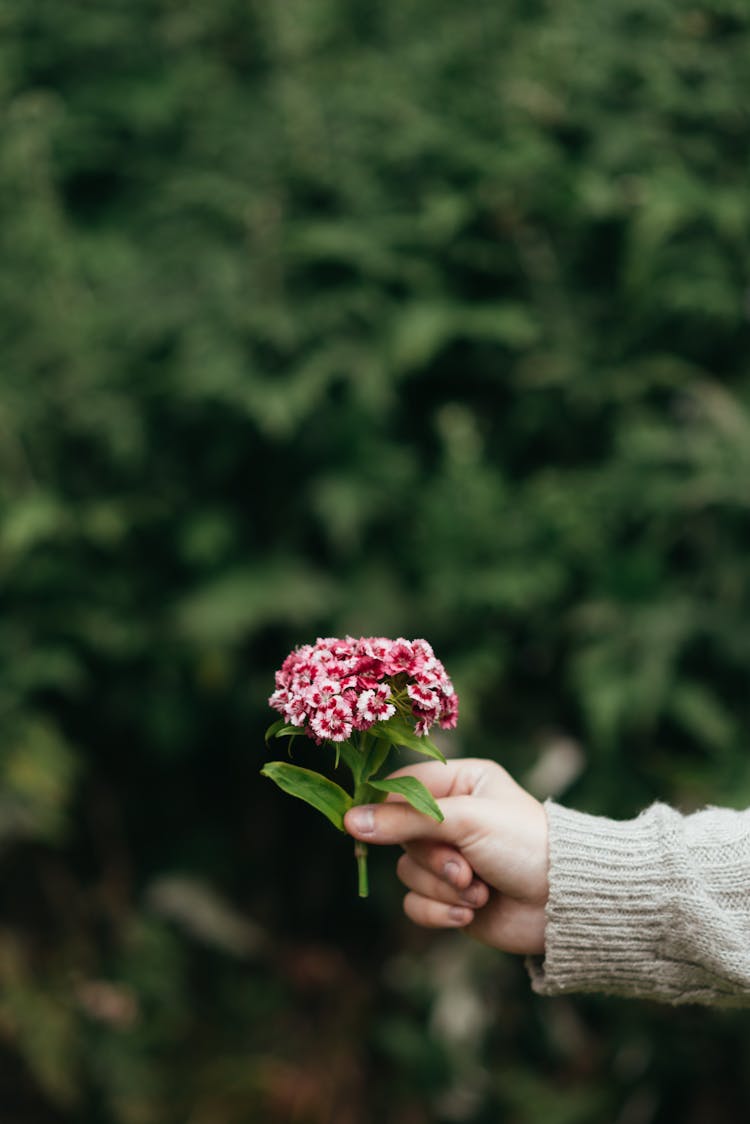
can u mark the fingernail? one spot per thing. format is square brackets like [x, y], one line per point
[459, 915]
[452, 870]
[471, 895]
[362, 819]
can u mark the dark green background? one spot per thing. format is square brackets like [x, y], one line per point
[421, 319]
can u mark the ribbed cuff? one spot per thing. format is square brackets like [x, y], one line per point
[605, 912]
[655, 908]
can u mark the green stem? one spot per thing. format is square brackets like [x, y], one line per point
[360, 854]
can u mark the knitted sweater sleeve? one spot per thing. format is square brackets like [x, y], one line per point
[656, 908]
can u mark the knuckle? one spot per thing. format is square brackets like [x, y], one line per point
[488, 776]
[436, 857]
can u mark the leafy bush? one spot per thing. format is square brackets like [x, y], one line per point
[321, 317]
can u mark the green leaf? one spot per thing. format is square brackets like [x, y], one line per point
[311, 787]
[288, 731]
[376, 757]
[414, 792]
[396, 732]
[428, 749]
[273, 729]
[353, 758]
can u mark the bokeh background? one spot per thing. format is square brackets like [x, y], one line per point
[322, 316]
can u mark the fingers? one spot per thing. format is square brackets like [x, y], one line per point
[436, 915]
[438, 888]
[443, 892]
[497, 921]
[501, 924]
[443, 861]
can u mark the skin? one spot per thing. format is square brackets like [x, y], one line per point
[484, 869]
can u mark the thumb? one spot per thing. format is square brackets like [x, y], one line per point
[465, 818]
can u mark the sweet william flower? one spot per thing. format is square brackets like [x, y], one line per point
[374, 705]
[320, 692]
[363, 697]
[425, 698]
[400, 658]
[333, 720]
[449, 714]
[314, 674]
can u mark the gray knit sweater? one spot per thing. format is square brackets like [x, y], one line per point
[657, 907]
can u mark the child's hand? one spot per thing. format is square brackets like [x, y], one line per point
[484, 868]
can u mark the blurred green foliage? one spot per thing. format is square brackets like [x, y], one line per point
[414, 319]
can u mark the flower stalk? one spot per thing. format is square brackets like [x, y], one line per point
[360, 854]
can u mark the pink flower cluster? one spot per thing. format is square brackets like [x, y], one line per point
[334, 687]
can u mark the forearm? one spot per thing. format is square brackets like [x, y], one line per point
[657, 907]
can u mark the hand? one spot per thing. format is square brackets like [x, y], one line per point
[484, 869]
